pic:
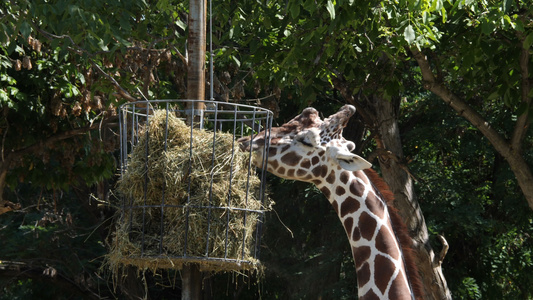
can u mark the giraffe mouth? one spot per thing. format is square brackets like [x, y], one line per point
[245, 143]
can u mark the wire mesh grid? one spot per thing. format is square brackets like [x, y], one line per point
[189, 195]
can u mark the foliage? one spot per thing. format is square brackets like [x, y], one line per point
[468, 194]
[47, 246]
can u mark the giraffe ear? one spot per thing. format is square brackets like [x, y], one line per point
[352, 162]
[347, 160]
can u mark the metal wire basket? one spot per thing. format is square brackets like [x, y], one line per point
[189, 195]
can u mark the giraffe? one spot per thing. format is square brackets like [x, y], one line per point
[313, 150]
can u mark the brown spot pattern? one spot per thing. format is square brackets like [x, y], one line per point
[291, 159]
[360, 255]
[281, 170]
[325, 191]
[348, 225]
[363, 274]
[375, 205]
[383, 271]
[344, 177]
[370, 295]
[315, 160]
[396, 290]
[367, 226]
[335, 206]
[319, 171]
[386, 243]
[306, 164]
[331, 177]
[340, 191]
[348, 206]
[356, 234]
[301, 173]
[356, 188]
[290, 173]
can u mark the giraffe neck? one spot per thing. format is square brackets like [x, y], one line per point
[378, 256]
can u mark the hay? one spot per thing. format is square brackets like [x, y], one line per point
[211, 205]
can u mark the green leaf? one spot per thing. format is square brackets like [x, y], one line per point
[102, 45]
[507, 5]
[493, 96]
[436, 5]
[487, 26]
[25, 29]
[181, 24]
[307, 38]
[409, 34]
[236, 60]
[295, 10]
[331, 9]
[125, 22]
[309, 5]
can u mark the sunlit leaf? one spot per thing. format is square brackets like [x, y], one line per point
[331, 9]
[409, 34]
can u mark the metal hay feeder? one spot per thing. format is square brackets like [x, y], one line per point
[189, 195]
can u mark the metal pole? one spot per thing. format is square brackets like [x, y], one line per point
[191, 275]
[196, 62]
[191, 279]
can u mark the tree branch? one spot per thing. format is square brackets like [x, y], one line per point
[460, 106]
[512, 155]
[443, 251]
[117, 85]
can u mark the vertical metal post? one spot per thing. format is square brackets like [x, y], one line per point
[191, 279]
[191, 275]
[196, 53]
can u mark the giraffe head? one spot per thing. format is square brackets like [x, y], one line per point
[306, 147]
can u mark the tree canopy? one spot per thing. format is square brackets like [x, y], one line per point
[456, 72]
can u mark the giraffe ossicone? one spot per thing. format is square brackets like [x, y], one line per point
[310, 149]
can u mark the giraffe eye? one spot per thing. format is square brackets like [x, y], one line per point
[305, 143]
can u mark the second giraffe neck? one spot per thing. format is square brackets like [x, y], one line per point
[378, 257]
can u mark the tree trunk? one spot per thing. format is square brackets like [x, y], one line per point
[395, 173]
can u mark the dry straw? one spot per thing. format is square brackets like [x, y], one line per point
[185, 202]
